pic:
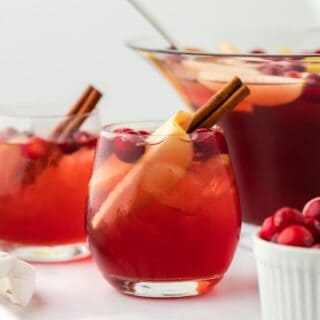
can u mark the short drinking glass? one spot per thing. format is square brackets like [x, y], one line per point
[44, 184]
[163, 210]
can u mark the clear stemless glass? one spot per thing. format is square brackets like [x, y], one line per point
[163, 212]
[44, 184]
[272, 133]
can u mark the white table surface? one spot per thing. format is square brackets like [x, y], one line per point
[76, 291]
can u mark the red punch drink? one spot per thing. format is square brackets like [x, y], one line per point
[163, 209]
[44, 182]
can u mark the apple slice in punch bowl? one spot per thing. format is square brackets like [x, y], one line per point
[271, 134]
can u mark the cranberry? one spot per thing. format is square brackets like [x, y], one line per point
[313, 226]
[68, 147]
[268, 229]
[221, 142]
[172, 58]
[123, 130]
[312, 88]
[257, 51]
[296, 235]
[312, 209]
[143, 133]
[127, 146]
[35, 148]
[86, 139]
[293, 74]
[204, 143]
[297, 66]
[271, 69]
[316, 246]
[317, 51]
[313, 79]
[286, 216]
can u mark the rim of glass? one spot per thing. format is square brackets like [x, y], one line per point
[137, 44]
[8, 111]
[152, 124]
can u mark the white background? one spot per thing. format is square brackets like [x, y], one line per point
[50, 49]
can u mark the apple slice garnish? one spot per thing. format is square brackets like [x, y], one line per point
[155, 173]
[265, 90]
[214, 65]
[106, 176]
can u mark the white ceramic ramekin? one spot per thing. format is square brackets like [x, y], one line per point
[289, 281]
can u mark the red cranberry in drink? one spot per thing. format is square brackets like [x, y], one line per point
[294, 64]
[296, 235]
[286, 216]
[271, 69]
[68, 147]
[316, 246]
[313, 226]
[172, 59]
[123, 130]
[221, 141]
[86, 139]
[257, 51]
[268, 229]
[312, 209]
[312, 88]
[128, 147]
[35, 148]
[204, 143]
[313, 79]
[293, 74]
[143, 133]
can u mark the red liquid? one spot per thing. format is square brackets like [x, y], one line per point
[274, 148]
[50, 208]
[188, 233]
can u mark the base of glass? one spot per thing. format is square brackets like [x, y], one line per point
[58, 253]
[164, 289]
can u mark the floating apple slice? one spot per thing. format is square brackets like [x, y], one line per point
[156, 173]
[106, 176]
[265, 90]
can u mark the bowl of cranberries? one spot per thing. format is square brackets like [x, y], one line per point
[287, 251]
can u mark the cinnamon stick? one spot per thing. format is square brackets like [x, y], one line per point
[216, 101]
[227, 106]
[85, 108]
[64, 130]
[74, 109]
